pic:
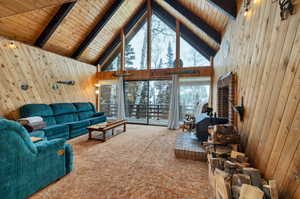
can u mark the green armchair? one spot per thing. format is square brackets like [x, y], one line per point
[27, 167]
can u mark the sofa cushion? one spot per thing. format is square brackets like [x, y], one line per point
[83, 106]
[97, 120]
[40, 134]
[98, 114]
[43, 110]
[77, 132]
[85, 115]
[63, 108]
[78, 124]
[66, 118]
[57, 131]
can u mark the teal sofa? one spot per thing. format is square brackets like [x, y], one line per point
[64, 120]
[27, 167]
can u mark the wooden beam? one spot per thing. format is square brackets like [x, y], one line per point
[123, 42]
[54, 23]
[91, 36]
[200, 23]
[127, 28]
[157, 74]
[186, 33]
[149, 33]
[229, 7]
[177, 44]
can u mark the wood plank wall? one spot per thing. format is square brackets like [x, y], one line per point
[264, 53]
[40, 70]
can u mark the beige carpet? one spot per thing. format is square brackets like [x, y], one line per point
[138, 164]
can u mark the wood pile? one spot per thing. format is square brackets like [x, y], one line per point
[230, 174]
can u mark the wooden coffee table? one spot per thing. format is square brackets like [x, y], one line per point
[104, 127]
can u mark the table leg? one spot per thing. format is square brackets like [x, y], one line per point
[90, 134]
[104, 136]
[112, 131]
[124, 129]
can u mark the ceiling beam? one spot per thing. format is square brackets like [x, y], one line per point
[104, 20]
[186, 33]
[54, 23]
[229, 7]
[127, 28]
[200, 23]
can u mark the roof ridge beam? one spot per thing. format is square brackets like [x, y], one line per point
[100, 25]
[196, 20]
[54, 23]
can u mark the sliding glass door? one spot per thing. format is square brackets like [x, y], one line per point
[147, 102]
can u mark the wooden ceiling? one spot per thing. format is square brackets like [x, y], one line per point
[13, 7]
[27, 20]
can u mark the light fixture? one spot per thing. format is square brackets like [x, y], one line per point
[11, 45]
[246, 7]
[97, 92]
[67, 82]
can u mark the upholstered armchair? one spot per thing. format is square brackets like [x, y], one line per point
[26, 167]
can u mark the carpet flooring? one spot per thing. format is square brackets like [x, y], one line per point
[138, 164]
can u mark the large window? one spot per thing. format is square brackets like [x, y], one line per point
[193, 91]
[108, 99]
[113, 64]
[190, 57]
[163, 45]
[136, 50]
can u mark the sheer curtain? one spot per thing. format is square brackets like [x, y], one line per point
[173, 122]
[120, 99]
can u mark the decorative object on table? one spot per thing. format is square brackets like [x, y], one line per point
[246, 7]
[66, 82]
[188, 123]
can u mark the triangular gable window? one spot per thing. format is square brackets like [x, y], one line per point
[136, 49]
[114, 63]
[191, 57]
[163, 44]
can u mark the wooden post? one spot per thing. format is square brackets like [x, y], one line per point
[211, 82]
[149, 34]
[123, 40]
[177, 44]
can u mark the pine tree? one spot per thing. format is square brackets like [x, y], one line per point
[129, 55]
[170, 55]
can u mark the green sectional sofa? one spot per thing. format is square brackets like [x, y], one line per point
[27, 167]
[64, 120]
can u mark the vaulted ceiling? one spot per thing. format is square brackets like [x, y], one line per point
[28, 19]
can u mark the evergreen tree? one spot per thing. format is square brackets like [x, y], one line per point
[170, 55]
[129, 55]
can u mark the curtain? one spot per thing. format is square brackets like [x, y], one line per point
[120, 99]
[173, 122]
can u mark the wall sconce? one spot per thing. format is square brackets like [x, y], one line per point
[97, 92]
[11, 45]
[66, 82]
[240, 110]
[246, 7]
[286, 8]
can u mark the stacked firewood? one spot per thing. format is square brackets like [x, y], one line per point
[230, 174]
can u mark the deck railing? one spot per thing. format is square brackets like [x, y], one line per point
[151, 111]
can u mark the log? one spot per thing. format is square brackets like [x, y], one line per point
[223, 186]
[236, 190]
[251, 192]
[240, 179]
[255, 176]
[273, 189]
